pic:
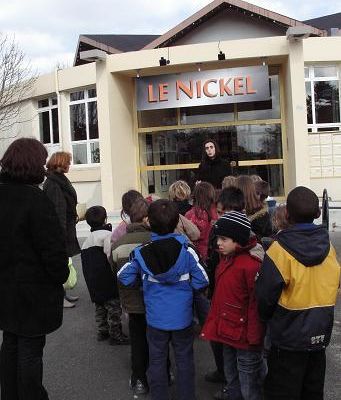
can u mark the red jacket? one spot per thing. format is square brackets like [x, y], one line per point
[201, 219]
[233, 318]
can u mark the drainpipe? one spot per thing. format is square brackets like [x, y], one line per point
[56, 81]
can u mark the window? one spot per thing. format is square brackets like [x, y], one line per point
[323, 98]
[84, 127]
[48, 123]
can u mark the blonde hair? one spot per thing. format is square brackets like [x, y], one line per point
[255, 178]
[179, 190]
[229, 181]
[59, 162]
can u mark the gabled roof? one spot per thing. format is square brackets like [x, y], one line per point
[215, 7]
[327, 22]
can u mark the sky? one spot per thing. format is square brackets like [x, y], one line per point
[48, 31]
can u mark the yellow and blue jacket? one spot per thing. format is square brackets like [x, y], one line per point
[297, 288]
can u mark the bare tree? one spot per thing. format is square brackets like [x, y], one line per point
[16, 81]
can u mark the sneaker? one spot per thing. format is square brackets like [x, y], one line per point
[68, 304]
[102, 336]
[121, 341]
[222, 394]
[138, 387]
[215, 377]
[70, 298]
[171, 378]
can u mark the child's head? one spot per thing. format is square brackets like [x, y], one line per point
[128, 199]
[255, 178]
[228, 181]
[279, 218]
[179, 191]
[262, 189]
[163, 216]
[247, 186]
[230, 199]
[232, 229]
[302, 205]
[96, 216]
[139, 211]
[204, 196]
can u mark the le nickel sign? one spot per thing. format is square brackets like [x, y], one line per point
[232, 85]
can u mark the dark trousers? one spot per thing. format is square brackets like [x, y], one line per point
[182, 342]
[108, 318]
[139, 347]
[21, 367]
[218, 353]
[295, 375]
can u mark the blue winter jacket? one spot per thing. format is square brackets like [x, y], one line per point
[170, 269]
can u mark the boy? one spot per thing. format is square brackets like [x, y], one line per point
[169, 268]
[296, 292]
[138, 232]
[233, 318]
[100, 280]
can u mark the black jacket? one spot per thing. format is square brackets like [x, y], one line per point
[99, 278]
[213, 171]
[33, 262]
[63, 195]
[297, 288]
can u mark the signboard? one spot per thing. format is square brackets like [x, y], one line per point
[232, 85]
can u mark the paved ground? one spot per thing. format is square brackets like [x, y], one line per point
[79, 368]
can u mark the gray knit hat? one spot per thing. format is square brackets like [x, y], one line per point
[234, 225]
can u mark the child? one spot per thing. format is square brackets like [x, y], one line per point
[169, 269]
[180, 193]
[296, 291]
[233, 318]
[203, 214]
[100, 280]
[138, 232]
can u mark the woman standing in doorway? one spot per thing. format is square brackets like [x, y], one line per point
[63, 195]
[33, 266]
[212, 168]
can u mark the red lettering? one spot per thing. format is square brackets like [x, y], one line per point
[163, 91]
[223, 86]
[238, 85]
[249, 88]
[205, 88]
[151, 98]
[185, 89]
[199, 89]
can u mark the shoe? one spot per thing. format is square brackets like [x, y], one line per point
[222, 394]
[121, 341]
[71, 298]
[215, 377]
[68, 304]
[138, 387]
[171, 378]
[102, 336]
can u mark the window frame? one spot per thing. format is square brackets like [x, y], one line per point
[51, 146]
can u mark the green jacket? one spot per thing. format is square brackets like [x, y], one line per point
[131, 297]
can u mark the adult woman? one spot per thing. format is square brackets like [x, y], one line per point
[33, 266]
[61, 192]
[212, 168]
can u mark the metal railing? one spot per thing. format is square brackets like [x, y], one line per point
[325, 209]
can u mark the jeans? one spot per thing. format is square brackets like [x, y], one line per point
[139, 347]
[21, 367]
[295, 375]
[182, 342]
[244, 372]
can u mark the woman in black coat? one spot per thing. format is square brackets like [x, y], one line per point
[33, 266]
[213, 168]
[63, 195]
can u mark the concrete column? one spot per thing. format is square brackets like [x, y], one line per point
[296, 117]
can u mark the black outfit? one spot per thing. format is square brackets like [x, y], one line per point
[33, 266]
[139, 347]
[63, 195]
[183, 206]
[213, 171]
[261, 224]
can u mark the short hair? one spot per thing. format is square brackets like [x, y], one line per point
[229, 181]
[163, 216]
[24, 161]
[279, 218]
[262, 189]
[138, 210]
[128, 199]
[232, 199]
[179, 190]
[302, 205]
[95, 216]
[59, 161]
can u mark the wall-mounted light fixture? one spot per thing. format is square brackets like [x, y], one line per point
[199, 65]
[264, 61]
[163, 61]
[221, 55]
[137, 73]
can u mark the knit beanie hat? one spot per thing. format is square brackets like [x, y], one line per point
[234, 225]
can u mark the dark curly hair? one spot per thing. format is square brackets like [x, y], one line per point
[23, 162]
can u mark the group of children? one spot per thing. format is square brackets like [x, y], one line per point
[170, 260]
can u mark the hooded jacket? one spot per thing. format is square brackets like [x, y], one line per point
[297, 288]
[169, 269]
[233, 318]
